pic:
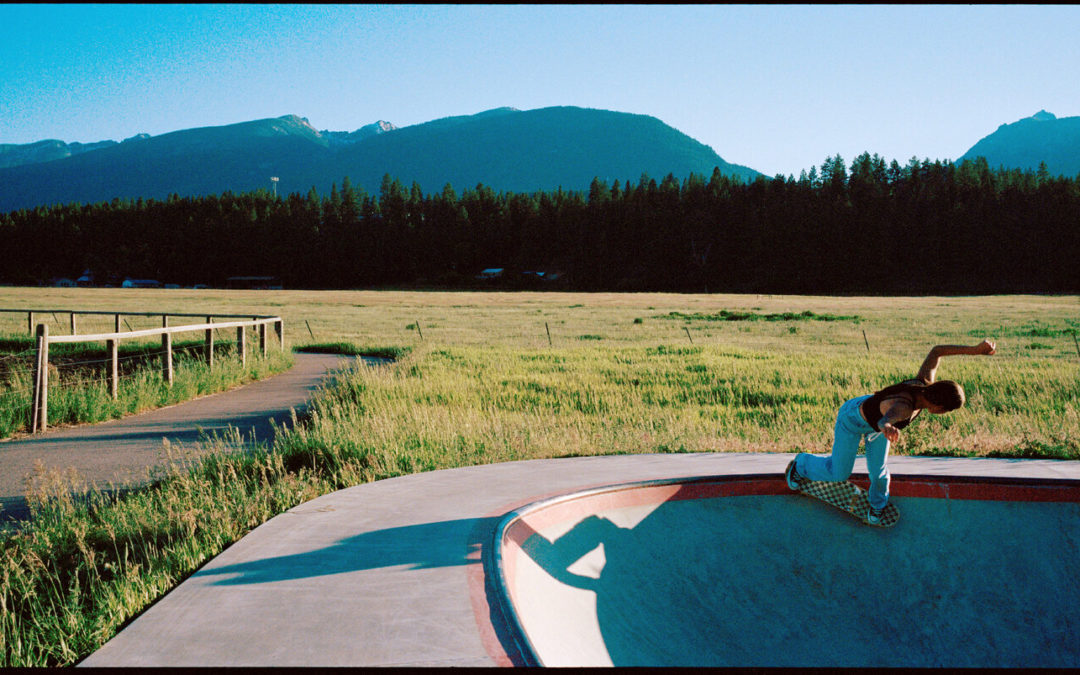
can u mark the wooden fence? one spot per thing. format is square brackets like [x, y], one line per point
[40, 401]
[31, 314]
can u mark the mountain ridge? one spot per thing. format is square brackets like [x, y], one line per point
[503, 148]
[14, 154]
[1023, 144]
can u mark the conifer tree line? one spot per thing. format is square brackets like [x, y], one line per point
[921, 228]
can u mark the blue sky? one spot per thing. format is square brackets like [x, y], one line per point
[776, 88]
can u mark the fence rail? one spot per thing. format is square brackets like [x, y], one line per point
[40, 401]
[72, 313]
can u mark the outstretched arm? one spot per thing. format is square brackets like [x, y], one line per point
[928, 370]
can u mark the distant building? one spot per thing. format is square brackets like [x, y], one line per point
[141, 283]
[256, 283]
[87, 279]
[491, 273]
[62, 282]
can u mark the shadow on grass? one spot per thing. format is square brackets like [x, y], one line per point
[349, 349]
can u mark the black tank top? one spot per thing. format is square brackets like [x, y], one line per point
[871, 407]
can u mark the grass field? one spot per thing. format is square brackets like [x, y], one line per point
[478, 380]
[661, 372]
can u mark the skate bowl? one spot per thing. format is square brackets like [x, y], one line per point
[736, 571]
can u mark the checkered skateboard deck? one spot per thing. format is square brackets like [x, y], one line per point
[848, 497]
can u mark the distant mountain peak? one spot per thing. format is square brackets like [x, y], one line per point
[12, 155]
[498, 111]
[1031, 141]
[341, 138]
[297, 120]
[287, 124]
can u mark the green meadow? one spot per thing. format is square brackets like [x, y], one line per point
[484, 377]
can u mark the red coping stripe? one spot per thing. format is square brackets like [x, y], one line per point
[986, 489]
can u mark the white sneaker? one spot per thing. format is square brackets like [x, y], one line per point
[794, 480]
[873, 516]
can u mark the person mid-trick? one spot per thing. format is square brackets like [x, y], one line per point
[879, 417]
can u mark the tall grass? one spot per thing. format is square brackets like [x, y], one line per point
[446, 407]
[84, 567]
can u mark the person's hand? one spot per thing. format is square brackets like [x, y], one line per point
[892, 434]
[986, 347]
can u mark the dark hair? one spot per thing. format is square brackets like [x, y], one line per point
[946, 393]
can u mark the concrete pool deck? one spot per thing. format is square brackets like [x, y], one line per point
[397, 572]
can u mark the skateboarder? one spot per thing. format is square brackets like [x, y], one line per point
[879, 417]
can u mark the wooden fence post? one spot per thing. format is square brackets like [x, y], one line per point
[279, 327]
[73, 324]
[210, 343]
[116, 324]
[43, 379]
[41, 366]
[114, 368]
[166, 356]
[262, 338]
[30, 323]
[241, 346]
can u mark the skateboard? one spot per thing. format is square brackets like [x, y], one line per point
[849, 498]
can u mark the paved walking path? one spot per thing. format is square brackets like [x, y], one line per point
[123, 451]
[393, 573]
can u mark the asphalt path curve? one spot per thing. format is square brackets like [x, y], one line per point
[123, 452]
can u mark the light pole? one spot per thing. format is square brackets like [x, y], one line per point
[273, 181]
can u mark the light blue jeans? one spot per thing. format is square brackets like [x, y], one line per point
[851, 428]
